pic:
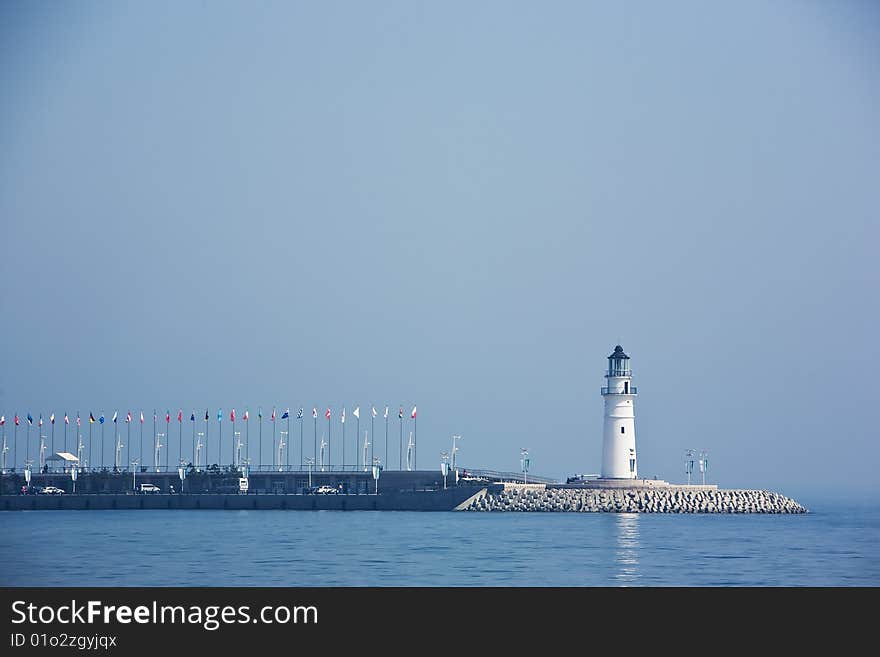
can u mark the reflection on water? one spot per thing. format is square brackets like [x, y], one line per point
[626, 556]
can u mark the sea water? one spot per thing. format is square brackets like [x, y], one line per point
[834, 545]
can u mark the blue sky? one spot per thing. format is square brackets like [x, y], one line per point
[459, 205]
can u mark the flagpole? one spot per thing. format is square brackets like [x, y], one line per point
[372, 435]
[315, 418]
[220, 435]
[247, 440]
[343, 440]
[260, 440]
[386, 439]
[167, 433]
[400, 453]
[300, 438]
[415, 443]
[180, 440]
[193, 416]
[232, 418]
[207, 425]
[357, 455]
[15, 444]
[53, 436]
[142, 437]
[90, 439]
[329, 420]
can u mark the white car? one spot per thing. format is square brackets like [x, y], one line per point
[52, 490]
[326, 490]
[149, 488]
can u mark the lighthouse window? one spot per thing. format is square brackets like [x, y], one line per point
[632, 465]
[622, 429]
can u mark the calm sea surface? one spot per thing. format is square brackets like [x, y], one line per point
[836, 545]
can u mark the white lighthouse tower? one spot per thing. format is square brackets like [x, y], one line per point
[619, 438]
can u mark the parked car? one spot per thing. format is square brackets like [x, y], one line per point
[149, 488]
[321, 490]
[51, 490]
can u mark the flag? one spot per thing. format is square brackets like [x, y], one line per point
[260, 413]
[66, 419]
[40, 421]
[78, 421]
[114, 417]
[373, 411]
[232, 415]
[16, 420]
[128, 417]
[52, 418]
[142, 417]
[400, 413]
[314, 412]
[2, 420]
[273, 414]
[219, 414]
[343, 415]
[245, 416]
[413, 414]
[299, 416]
[286, 414]
[357, 412]
[327, 414]
[206, 415]
[192, 417]
[167, 417]
[101, 418]
[386, 412]
[154, 415]
[180, 415]
[30, 419]
[91, 418]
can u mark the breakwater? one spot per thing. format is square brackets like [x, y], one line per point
[671, 499]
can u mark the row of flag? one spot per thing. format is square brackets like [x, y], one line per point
[129, 418]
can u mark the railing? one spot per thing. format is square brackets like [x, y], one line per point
[495, 475]
[632, 391]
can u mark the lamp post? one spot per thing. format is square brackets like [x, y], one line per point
[524, 462]
[689, 464]
[376, 471]
[366, 445]
[236, 457]
[159, 446]
[117, 461]
[704, 464]
[73, 477]
[454, 449]
[444, 466]
[134, 467]
[199, 452]
[27, 473]
[281, 445]
[42, 453]
[310, 461]
[181, 472]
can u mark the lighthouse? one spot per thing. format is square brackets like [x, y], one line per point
[619, 436]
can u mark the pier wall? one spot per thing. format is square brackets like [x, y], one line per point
[390, 501]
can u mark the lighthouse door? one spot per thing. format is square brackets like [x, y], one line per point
[626, 387]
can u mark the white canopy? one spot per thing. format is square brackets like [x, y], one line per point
[67, 457]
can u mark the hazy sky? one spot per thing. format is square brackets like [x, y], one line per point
[456, 204]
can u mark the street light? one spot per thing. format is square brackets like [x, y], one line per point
[524, 462]
[281, 444]
[689, 464]
[704, 464]
[159, 446]
[199, 446]
[454, 449]
[134, 465]
[444, 466]
[310, 461]
[181, 472]
[376, 471]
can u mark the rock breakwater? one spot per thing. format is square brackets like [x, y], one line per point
[665, 500]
